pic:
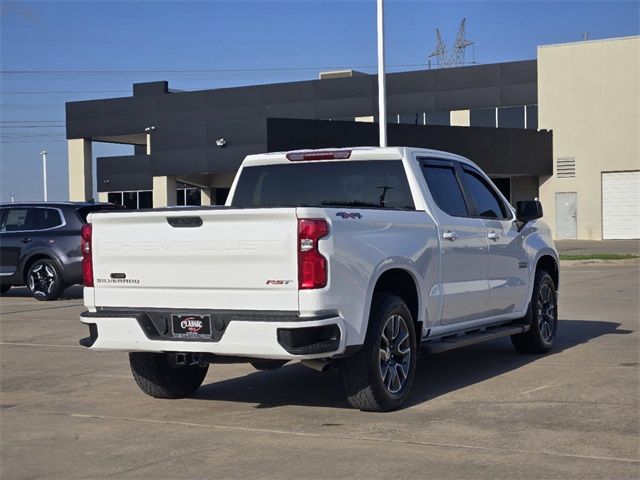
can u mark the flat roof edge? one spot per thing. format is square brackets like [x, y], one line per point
[596, 40]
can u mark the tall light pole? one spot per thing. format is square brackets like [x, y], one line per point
[44, 172]
[382, 97]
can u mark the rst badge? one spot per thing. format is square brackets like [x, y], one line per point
[279, 282]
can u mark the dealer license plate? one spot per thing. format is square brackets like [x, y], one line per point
[191, 326]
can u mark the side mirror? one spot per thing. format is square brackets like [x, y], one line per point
[528, 210]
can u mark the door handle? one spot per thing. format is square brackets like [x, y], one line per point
[493, 236]
[449, 235]
[25, 240]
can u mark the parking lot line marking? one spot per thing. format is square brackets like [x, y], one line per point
[334, 436]
[537, 389]
[18, 344]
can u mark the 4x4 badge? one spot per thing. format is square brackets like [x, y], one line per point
[347, 215]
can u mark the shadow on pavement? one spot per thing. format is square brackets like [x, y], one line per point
[73, 292]
[436, 375]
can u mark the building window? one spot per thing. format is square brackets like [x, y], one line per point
[511, 117]
[412, 118]
[438, 118]
[483, 117]
[132, 200]
[145, 199]
[188, 196]
[115, 197]
[531, 113]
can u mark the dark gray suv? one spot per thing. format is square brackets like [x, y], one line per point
[40, 245]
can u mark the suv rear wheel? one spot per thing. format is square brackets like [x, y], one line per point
[158, 377]
[4, 288]
[379, 377]
[44, 280]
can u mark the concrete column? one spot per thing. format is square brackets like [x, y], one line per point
[164, 191]
[103, 197]
[80, 170]
[460, 118]
[207, 196]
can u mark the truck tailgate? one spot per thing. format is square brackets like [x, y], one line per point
[228, 259]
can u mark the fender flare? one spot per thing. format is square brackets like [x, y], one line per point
[395, 263]
[37, 252]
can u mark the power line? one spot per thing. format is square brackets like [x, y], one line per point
[196, 71]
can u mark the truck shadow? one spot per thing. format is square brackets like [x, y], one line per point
[436, 375]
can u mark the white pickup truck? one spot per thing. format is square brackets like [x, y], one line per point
[350, 258]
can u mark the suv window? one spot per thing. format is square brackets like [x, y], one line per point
[487, 202]
[445, 189]
[16, 220]
[376, 184]
[43, 218]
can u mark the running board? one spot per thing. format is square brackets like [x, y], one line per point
[475, 336]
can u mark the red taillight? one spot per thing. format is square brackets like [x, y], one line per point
[87, 258]
[312, 266]
[326, 155]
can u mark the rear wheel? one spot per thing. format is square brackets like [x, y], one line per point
[4, 288]
[44, 280]
[379, 377]
[158, 377]
[542, 316]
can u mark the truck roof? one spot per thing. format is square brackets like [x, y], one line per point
[356, 153]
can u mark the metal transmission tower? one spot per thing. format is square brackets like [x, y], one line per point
[440, 52]
[457, 57]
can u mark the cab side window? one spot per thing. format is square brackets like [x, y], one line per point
[16, 220]
[487, 202]
[445, 189]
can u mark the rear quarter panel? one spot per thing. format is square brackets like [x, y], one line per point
[360, 248]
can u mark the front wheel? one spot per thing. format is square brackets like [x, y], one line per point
[542, 316]
[379, 377]
[158, 377]
[44, 280]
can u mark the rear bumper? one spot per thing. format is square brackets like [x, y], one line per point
[241, 336]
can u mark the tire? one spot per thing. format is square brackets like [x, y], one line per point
[4, 288]
[542, 317]
[373, 377]
[269, 364]
[157, 377]
[44, 280]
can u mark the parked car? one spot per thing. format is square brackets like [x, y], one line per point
[350, 258]
[40, 245]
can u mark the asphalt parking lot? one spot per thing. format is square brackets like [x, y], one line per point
[481, 412]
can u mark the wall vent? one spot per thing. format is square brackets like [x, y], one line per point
[565, 167]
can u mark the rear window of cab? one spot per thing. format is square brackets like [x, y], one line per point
[365, 184]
